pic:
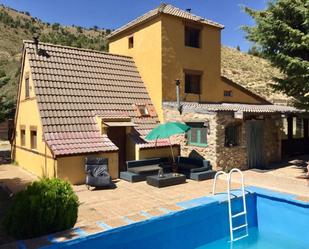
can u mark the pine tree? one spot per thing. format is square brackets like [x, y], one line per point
[281, 34]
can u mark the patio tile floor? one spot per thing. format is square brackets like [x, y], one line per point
[101, 210]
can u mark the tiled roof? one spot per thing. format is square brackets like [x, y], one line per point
[169, 10]
[233, 107]
[73, 85]
[142, 143]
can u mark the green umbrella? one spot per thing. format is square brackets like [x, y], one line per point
[166, 131]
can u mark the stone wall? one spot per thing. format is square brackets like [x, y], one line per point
[209, 152]
[221, 156]
[272, 139]
[230, 157]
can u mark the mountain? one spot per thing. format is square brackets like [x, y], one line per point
[16, 26]
[250, 71]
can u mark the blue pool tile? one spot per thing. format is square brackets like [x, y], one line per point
[146, 214]
[196, 202]
[127, 220]
[165, 210]
[103, 225]
[80, 232]
[269, 192]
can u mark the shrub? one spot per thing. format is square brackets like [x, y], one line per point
[2, 73]
[46, 206]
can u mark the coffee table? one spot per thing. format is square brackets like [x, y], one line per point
[168, 180]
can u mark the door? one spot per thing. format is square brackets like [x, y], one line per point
[118, 136]
[254, 135]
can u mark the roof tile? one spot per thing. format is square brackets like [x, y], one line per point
[169, 10]
[73, 85]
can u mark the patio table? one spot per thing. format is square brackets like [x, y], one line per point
[167, 180]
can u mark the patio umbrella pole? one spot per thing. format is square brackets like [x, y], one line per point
[172, 150]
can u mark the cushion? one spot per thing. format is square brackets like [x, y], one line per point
[188, 160]
[97, 166]
[145, 162]
[200, 169]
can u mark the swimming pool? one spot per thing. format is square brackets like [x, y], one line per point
[276, 221]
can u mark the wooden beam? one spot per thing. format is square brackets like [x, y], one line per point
[290, 127]
[305, 123]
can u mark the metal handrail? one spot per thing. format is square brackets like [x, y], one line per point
[215, 180]
[244, 212]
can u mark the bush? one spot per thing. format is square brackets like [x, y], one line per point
[46, 206]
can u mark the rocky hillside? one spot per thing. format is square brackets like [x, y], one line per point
[17, 26]
[252, 72]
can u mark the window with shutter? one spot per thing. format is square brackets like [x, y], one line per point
[193, 83]
[197, 135]
[33, 136]
[22, 137]
[192, 37]
[232, 133]
[27, 87]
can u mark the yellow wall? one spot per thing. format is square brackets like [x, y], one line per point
[161, 57]
[157, 152]
[72, 168]
[28, 115]
[147, 57]
[176, 57]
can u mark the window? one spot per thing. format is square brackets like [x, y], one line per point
[27, 87]
[298, 127]
[228, 93]
[193, 83]
[33, 135]
[192, 37]
[197, 135]
[232, 135]
[143, 111]
[22, 137]
[131, 42]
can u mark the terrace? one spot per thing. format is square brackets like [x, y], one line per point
[133, 202]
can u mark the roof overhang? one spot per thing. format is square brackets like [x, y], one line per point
[233, 107]
[119, 124]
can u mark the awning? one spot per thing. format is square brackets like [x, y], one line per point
[119, 124]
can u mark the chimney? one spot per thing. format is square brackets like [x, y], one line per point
[188, 10]
[178, 95]
[36, 43]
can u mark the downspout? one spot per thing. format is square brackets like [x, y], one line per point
[179, 107]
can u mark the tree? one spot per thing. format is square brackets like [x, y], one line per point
[281, 35]
[254, 51]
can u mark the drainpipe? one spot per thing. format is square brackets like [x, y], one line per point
[178, 95]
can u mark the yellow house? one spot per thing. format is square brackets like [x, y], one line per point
[74, 103]
[170, 46]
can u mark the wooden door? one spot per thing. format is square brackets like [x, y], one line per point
[118, 136]
[255, 151]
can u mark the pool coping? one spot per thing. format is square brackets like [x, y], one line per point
[187, 206]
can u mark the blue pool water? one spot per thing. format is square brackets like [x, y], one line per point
[257, 240]
[276, 221]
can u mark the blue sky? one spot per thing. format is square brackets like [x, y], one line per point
[112, 14]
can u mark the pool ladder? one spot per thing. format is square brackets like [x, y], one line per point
[242, 213]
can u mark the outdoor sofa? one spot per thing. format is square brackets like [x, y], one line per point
[138, 170]
[195, 169]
